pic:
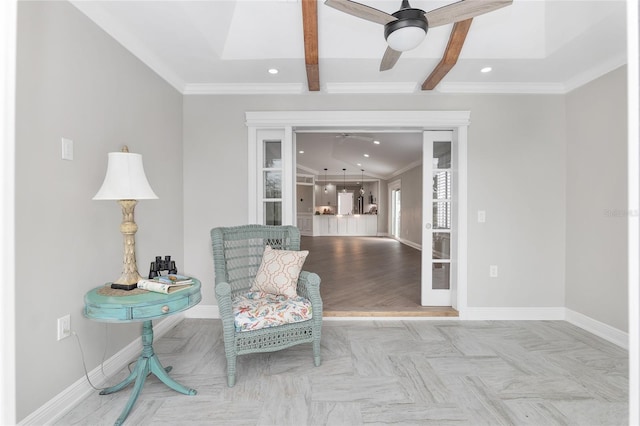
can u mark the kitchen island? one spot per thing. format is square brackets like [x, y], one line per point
[361, 225]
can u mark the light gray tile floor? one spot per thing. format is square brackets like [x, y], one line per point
[386, 372]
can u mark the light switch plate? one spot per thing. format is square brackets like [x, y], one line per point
[493, 271]
[482, 216]
[67, 149]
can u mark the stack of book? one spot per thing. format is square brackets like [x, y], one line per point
[166, 283]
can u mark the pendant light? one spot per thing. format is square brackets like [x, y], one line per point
[325, 180]
[362, 183]
[325, 184]
[344, 180]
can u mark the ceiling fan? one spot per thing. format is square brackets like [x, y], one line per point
[344, 137]
[405, 29]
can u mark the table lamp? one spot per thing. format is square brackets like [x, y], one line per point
[126, 182]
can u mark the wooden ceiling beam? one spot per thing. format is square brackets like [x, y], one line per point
[310, 32]
[451, 54]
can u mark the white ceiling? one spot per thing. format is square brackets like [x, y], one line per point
[218, 46]
[395, 152]
[226, 47]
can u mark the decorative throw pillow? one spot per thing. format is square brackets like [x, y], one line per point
[279, 271]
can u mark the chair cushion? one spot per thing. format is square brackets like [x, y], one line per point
[279, 271]
[257, 310]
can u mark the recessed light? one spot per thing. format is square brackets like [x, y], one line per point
[366, 155]
[486, 69]
[376, 142]
[273, 71]
[300, 152]
[359, 165]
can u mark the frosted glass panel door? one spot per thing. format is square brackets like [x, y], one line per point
[271, 176]
[437, 217]
[272, 182]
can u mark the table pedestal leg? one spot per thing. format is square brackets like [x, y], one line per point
[147, 363]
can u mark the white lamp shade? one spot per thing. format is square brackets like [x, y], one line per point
[125, 179]
[406, 38]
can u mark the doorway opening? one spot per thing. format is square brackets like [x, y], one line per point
[371, 250]
[287, 124]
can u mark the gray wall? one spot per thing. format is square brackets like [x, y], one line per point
[512, 140]
[74, 81]
[597, 200]
[304, 198]
[411, 205]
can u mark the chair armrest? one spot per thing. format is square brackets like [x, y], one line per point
[309, 288]
[223, 296]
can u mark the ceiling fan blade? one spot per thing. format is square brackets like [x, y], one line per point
[389, 59]
[361, 11]
[463, 10]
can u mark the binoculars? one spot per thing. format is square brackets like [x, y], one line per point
[161, 265]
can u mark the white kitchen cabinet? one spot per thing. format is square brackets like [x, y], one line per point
[356, 225]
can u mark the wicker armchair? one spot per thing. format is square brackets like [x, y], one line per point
[237, 255]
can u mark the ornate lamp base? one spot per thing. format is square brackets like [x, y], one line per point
[130, 276]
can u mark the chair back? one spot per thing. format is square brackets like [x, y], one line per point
[237, 251]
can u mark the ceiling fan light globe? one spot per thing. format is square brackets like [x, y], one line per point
[406, 38]
[407, 31]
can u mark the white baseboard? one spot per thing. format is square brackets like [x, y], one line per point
[513, 314]
[600, 329]
[58, 406]
[410, 244]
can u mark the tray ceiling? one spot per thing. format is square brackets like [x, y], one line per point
[217, 47]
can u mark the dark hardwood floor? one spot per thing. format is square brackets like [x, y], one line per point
[368, 276]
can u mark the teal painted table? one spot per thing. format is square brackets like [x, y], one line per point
[108, 305]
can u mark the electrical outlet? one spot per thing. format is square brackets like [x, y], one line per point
[64, 326]
[493, 271]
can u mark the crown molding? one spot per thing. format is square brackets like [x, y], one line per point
[244, 89]
[595, 72]
[537, 88]
[307, 169]
[375, 88]
[406, 88]
[404, 169]
[503, 88]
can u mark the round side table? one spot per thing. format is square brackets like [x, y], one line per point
[108, 305]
